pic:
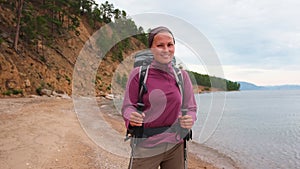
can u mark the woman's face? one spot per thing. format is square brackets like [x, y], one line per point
[163, 47]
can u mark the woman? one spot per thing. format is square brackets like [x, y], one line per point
[162, 107]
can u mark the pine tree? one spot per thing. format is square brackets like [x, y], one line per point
[19, 7]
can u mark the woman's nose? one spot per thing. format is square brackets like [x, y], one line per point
[165, 48]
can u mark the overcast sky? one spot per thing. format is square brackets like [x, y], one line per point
[256, 41]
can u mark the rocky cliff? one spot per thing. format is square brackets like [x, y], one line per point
[33, 68]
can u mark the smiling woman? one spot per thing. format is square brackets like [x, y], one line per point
[156, 119]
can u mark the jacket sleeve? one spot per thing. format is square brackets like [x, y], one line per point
[189, 101]
[130, 96]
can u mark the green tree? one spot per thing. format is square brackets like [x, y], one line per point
[124, 81]
[86, 6]
[19, 8]
[106, 12]
[118, 78]
[95, 16]
[117, 14]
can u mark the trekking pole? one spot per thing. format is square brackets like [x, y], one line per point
[138, 131]
[185, 154]
[132, 145]
[136, 135]
[134, 141]
[186, 136]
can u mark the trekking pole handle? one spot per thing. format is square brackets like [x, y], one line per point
[139, 130]
[184, 111]
[185, 132]
[140, 107]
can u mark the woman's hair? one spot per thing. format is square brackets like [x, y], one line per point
[155, 31]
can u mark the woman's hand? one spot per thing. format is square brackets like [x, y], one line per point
[136, 119]
[186, 121]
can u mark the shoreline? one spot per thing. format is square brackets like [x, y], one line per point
[212, 156]
[44, 132]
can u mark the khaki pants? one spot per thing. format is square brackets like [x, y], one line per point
[167, 156]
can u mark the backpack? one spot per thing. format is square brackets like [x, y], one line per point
[143, 60]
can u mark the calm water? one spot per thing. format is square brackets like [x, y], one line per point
[258, 129]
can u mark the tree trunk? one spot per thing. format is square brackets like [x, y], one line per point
[19, 6]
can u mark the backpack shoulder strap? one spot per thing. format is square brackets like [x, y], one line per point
[179, 80]
[143, 73]
[184, 133]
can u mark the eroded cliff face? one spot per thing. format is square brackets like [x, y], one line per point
[33, 68]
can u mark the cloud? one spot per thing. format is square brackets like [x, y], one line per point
[248, 35]
[247, 32]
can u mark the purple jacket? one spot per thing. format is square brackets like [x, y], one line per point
[162, 101]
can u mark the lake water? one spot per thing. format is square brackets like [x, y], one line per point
[257, 129]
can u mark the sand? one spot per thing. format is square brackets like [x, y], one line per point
[44, 133]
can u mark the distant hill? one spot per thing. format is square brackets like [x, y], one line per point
[251, 86]
[283, 87]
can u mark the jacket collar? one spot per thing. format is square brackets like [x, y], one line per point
[164, 67]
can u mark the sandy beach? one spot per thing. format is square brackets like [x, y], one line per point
[44, 133]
